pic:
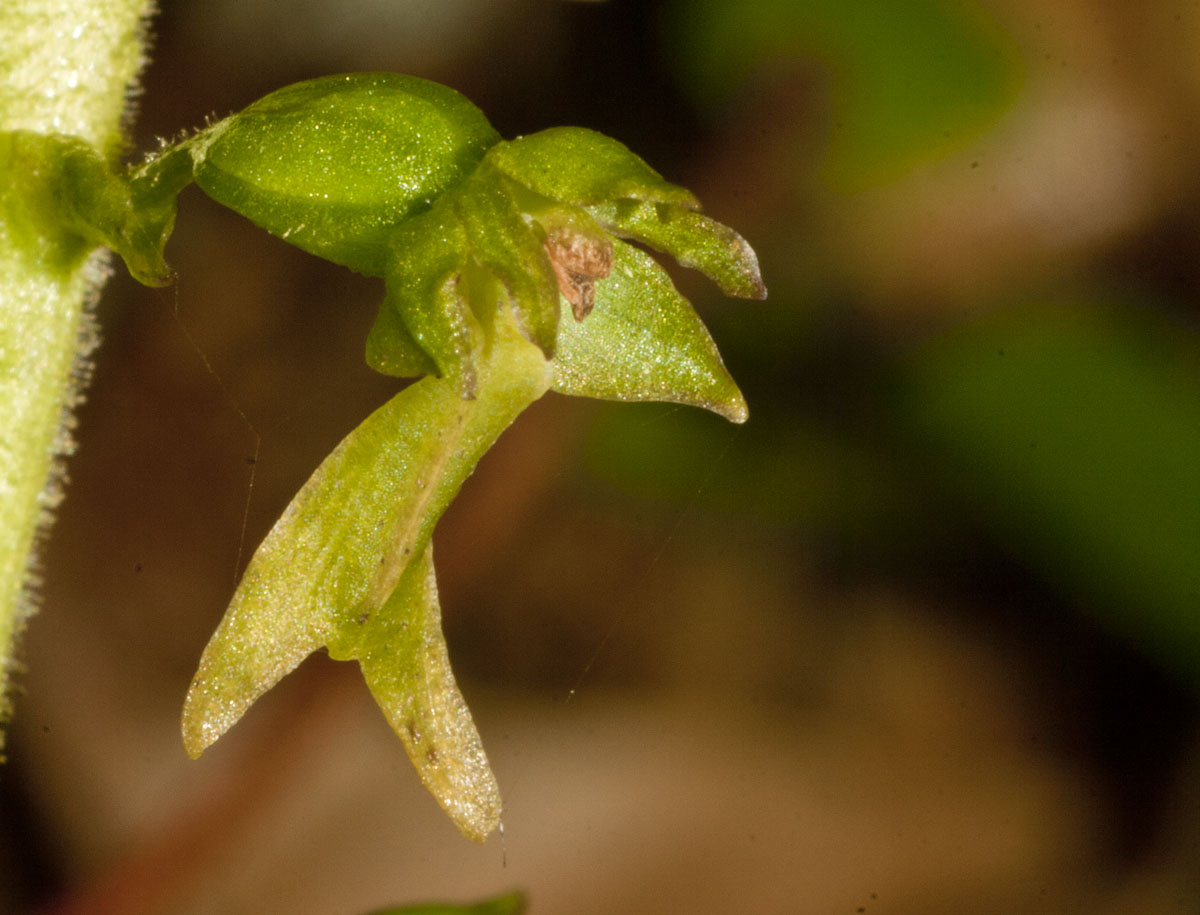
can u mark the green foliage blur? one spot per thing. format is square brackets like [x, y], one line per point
[508, 904]
[905, 81]
[974, 347]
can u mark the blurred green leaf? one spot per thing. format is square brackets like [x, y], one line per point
[1076, 435]
[910, 80]
[508, 904]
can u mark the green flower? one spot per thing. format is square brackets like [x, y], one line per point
[508, 272]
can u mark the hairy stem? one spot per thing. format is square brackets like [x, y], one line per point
[65, 68]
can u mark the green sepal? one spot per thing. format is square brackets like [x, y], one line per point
[579, 166]
[424, 288]
[504, 245]
[342, 548]
[333, 165]
[391, 349]
[644, 341]
[402, 654]
[337, 552]
[691, 238]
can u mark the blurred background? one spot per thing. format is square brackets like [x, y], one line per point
[921, 637]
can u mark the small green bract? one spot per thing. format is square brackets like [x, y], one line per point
[508, 273]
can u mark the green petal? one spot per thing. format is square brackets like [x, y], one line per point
[332, 165]
[506, 246]
[644, 341]
[691, 238]
[318, 567]
[344, 546]
[392, 350]
[580, 166]
[402, 653]
[427, 259]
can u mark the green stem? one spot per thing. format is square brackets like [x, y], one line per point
[65, 69]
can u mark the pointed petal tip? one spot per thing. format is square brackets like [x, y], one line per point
[749, 284]
[722, 397]
[478, 831]
[206, 716]
[194, 739]
[749, 287]
[735, 409]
